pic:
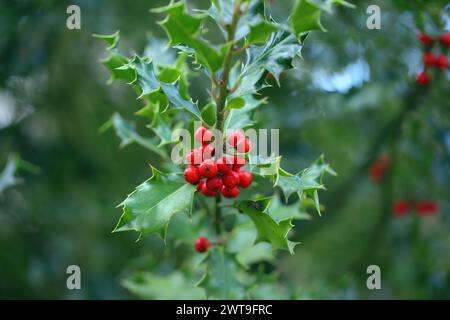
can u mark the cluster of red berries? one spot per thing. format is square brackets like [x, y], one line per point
[378, 168]
[223, 175]
[430, 59]
[423, 208]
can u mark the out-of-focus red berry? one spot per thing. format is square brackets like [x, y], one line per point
[445, 39]
[401, 208]
[441, 62]
[425, 38]
[201, 244]
[427, 208]
[378, 168]
[423, 79]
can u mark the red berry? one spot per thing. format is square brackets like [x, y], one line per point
[234, 137]
[214, 183]
[201, 244]
[441, 62]
[231, 180]
[202, 135]
[208, 168]
[401, 208]
[244, 145]
[194, 157]
[225, 165]
[192, 175]
[423, 79]
[230, 193]
[200, 185]
[425, 38]
[378, 168]
[245, 178]
[238, 163]
[428, 59]
[445, 39]
[208, 151]
[207, 192]
[427, 208]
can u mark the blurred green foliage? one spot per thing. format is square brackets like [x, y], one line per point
[352, 84]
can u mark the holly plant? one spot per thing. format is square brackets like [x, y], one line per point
[235, 200]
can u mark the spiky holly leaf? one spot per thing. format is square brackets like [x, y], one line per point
[242, 243]
[241, 118]
[115, 59]
[306, 15]
[268, 228]
[307, 181]
[260, 32]
[151, 206]
[275, 56]
[220, 280]
[280, 211]
[174, 285]
[149, 84]
[184, 28]
[126, 131]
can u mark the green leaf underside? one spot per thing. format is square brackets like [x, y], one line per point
[275, 56]
[220, 278]
[242, 243]
[151, 206]
[268, 229]
[126, 132]
[172, 286]
[184, 28]
[149, 84]
[241, 118]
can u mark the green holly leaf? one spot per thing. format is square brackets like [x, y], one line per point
[241, 118]
[220, 280]
[275, 56]
[268, 228]
[172, 286]
[280, 211]
[221, 11]
[209, 113]
[184, 28]
[149, 84]
[307, 181]
[151, 206]
[111, 39]
[236, 103]
[126, 131]
[161, 127]
[306, 15]
[260, 32]
[115, 59]
[242, 243]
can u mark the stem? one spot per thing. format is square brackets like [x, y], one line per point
[222, 99]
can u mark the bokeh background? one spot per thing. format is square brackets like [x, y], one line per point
[353, 98]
